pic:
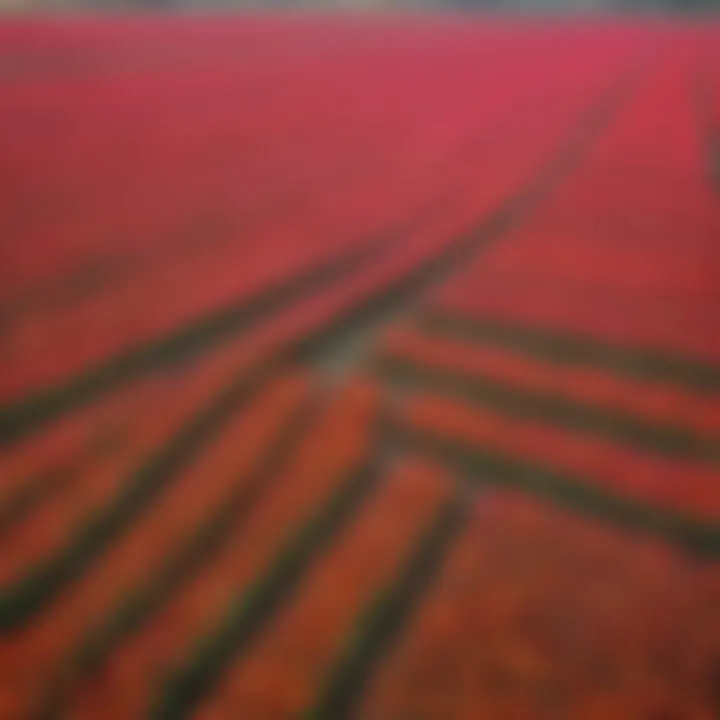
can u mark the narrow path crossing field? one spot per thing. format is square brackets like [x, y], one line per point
[359, 366]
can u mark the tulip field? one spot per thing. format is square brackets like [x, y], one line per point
[359, 366]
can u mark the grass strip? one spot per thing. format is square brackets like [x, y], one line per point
[386, 616]
[252, 611]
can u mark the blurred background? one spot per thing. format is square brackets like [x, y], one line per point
[359, 360]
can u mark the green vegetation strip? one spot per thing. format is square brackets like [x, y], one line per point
[46, 404]
[250, 614]
[400, 295]
[20, 602]
[665, 439]
[384, 619]
[41, 486]
[569, 348]
[576, 493]
[138, 607]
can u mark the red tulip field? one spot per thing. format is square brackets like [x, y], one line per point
[359, 366]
